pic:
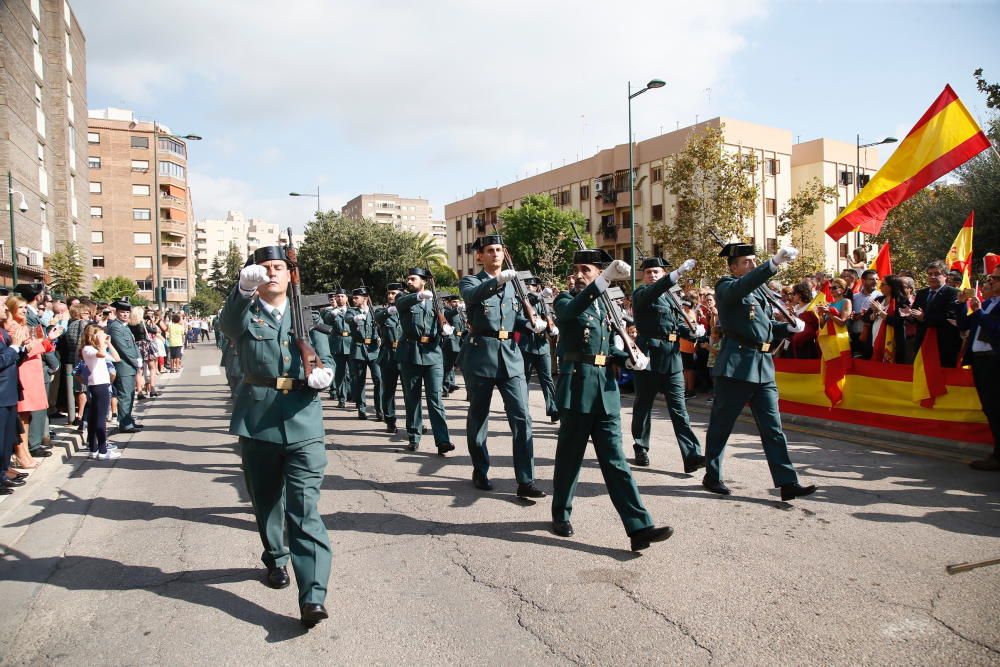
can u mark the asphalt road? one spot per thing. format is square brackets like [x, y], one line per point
[154, 558]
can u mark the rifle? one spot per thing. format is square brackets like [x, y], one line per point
[773, 299]
[614, 315]
[442, 320]
[674, 301]
[310, 359]
[529, 311]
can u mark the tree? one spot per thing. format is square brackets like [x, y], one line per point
[794, 222]
[66, 270]
[225, 271]
[540, 237]
[715, 194]
[116, 287]
[430, 253]
[206, 301]
[991, 90]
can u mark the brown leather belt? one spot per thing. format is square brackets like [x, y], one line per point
[503, 334]
[368, 341]
[592, 359]
[767, 347]
[284, 384]
[345, 334]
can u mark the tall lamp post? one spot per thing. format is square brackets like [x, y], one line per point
[857, 169]
[319, 207]
[653, 83]
[159, 291]
[23, 206]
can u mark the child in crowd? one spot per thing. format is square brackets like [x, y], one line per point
[100, 376]
[161, 350]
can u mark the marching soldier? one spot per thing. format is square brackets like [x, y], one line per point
[390, 331]
[660, 329]
[364, 352]
[536, 350]
[278, 416]
[744, 369]
[420, 360]
[491, 360]
[230, 358]
[130, 363]
[452, 345]
[340, 346]
[589, 402]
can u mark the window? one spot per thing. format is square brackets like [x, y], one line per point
[840, 210]
[173, 146]
[143, 262]
[142, 238]
[627, 255]
[171, 169]
[847, 177]
[94, 162]
[38, 89]
[657, 214]
[95, 188]
[175, 284]
[144, 285]
[608, 221]
[468, 222]
[140, 190]
[139, 142]
[656, 174]
[93, 138]
[96, 211]
[584, 192]
[141, 214]
[626, 219]
[97, 237]
[772, 246]
[98, 261]
[458, 224]
[770, 206]
[843, 250]
[772, 167]
[621, 180]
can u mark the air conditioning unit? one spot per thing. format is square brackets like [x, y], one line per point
[35, 258]
[598, 185]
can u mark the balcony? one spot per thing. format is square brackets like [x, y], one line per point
[609, 234]
[171, 249]
[168, 226]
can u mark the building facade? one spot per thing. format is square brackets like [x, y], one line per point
[406, 214]
[43, 124]
[213, 238]
[140, 205]
[597, 187]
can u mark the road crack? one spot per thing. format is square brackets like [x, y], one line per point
[680, 627]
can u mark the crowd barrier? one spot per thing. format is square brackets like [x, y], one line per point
[881, 395]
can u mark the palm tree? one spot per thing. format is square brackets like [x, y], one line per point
[429, 253]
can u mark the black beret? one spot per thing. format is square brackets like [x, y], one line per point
[266, 254]
[489, 239]
[737, 250]
[359, 291]
[417, 271]
[595, 256]
[395, 287]
[654, 262]
[122, 303]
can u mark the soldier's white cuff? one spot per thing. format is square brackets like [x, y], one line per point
[774, 267]
[245, 294]
[602, 284]
[674, 276]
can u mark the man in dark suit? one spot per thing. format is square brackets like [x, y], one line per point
[935, 306]
[983, 354]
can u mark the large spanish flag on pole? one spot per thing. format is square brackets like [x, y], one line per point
[959, 258]
[945, 137]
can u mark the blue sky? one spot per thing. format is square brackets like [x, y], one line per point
[442, 98]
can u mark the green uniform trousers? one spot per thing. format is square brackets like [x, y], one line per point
[450, 359]
[341, 377]
[647, 385]
[125, 393]
[429, 377]
[730, 397]
[390, 381]
[542, 363]
[360, 367]
[514, 392]
[575, 429]
[283, 482]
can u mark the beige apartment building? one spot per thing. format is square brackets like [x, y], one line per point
[43, 102]
[406, 214]
[598, 187]
[213, 238]
[140, 205]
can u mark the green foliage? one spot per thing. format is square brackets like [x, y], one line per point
[445, 278]
[225, 271]
[540, 237]
[116, 287]
[991, 90]
[66, 270]
[794, 223]
[716, 194]
[206, 301]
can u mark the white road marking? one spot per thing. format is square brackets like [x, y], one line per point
[207, 371]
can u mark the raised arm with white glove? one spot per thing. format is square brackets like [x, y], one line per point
[359, 318]
[617, 270]
[786, 254]
[320, 378]
[252, 277]
[676, 274]
[392, 310]
[425, 295]
[506, 276]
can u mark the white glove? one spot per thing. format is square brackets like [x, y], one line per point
[461, 306]
[617, 270]
[547, 293]
[699, 330]
[447, 329]
[359, 318]
[506, 276]
[798, 326]
[425, 295]
[320, 378]
[554, 330]
[786, 254]
[686, 266]
[641, 363]
[252, 277]
[392, 310]
[538, 325]
[618, 343]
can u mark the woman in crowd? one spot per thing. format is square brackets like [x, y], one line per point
[803, 344]
[99, 378]
[839, 311]
[175, 342]
[859, 260]
[152, 362]
[887, 313]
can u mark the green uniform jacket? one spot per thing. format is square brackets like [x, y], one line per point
[530, 342]
[456, 318]
[418, 319]
[746, 316]
[267, 348]
[583, 328]
[491, 308]
[360, 332]
[389, 331]
[340, 337]
[124, 343]
[656, 320]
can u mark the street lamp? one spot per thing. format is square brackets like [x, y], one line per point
[319, 206]
[23, 208]
[653, 83]
[159, 292]
[857, 170]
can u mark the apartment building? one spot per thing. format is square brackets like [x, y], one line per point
[213, 238]
[597, 187]
[140, 205]
[43, 100]
[406, 214]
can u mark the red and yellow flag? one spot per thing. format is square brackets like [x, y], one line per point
[959, 258]
[928, 376]
[991, 261]
[884, 347]
[882, 264]
[945, 137]
[835, 347]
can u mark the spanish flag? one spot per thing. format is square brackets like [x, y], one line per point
[882, 263]
[928, 376]
[835, 347]
[944, 138]
[959, 258]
